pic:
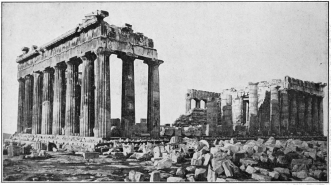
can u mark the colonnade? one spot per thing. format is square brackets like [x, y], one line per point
[53, 102]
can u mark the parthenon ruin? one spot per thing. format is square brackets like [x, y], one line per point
[55, 99]
[275, 108]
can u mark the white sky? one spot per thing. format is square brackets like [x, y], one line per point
[206, 46]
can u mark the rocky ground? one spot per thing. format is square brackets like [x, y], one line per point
[221, 161]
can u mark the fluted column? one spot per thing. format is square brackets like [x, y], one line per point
[284, 123]
[274, 110]
[28, 98]
[197, 103]
[87, 96]
[47, 101]
[301, 113]
[293, 112]
[128, 95]
[308, 126]
[188, 105]
[37, 102]
[320, 115]
[153, 102]
[314, 114]
[253, 108]
[20, 113]
[59, 99]
[102, 94]
[71, 109]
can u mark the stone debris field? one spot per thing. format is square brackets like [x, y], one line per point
[180, 160]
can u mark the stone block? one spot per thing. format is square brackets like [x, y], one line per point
[307, 162]
[282, 170]
[274, 175]
[200, 174]
[248, 161]
[191, 169]
[318, 174]
[237, 156]
[163, 164]
[220, 180]
[175, 179]
[207, 159]
[211, 176]
[260, 177]
[139, 177]
[90, 155]
[300, 174]
[250, 170]
[227, 168]
[190, 179]
[309, 179]
[132, 175]
[180, 172]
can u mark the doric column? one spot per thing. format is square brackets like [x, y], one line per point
[212, 116]
[197, 103]
[293, 112]
[253, 108]
[308, 125]
[301, 113]
[59, 99]
[37, 102]
[188, 104]
[87, 96]
[320, 115]
[102, 122]
[284, 123]
[71, 109]
[20, 113]
[237, 111]
[153, 100]
[128, 95]
[28, 98]
[274, 110]
[314, 113]
[47, 101]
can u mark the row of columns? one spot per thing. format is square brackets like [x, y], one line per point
[49, 100]
[197, 104]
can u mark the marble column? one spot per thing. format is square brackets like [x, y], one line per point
[301, 127]
[59, 99]
[188, 104]
[102, 122]
[28, 98]
[47, 101]
[128, 95]
[284, 123]
[87, 96]
[274, 110]
[197, 103]
[314, 113]
[320, 116]
[253, 108]
[153, 102]
[308, 125]
[20, 113]
[293, 112]
[71, 109]
[37, 102]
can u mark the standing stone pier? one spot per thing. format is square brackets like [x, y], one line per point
[55, 100]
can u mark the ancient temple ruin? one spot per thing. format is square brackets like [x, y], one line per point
[55, 99]
[280, 107]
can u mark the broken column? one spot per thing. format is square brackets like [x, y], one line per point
[253, 108]
[37, 102]
[153, 100]
[128, 95]
[284, 123]
[59, 99]
[47, 100]
[274, 110]
[71, 114]
[102, 95]
[28, 102]
[212, 117]
[237, 113]
[188, 104]
[20, 113]
[87, 96]
[197, 103]
[226, 104]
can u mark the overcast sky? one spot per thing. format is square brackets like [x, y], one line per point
[206, 46]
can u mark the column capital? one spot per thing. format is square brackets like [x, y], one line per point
[28, 76]
[21, 79]
[74, 61]
[60, 65]
[88, 56]
[127, 56]
[102, 51]
[252, 83]
[153, 62]
[48, 70]
[275, 86]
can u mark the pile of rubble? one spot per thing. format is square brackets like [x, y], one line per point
[195, 116]
[226, 161]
